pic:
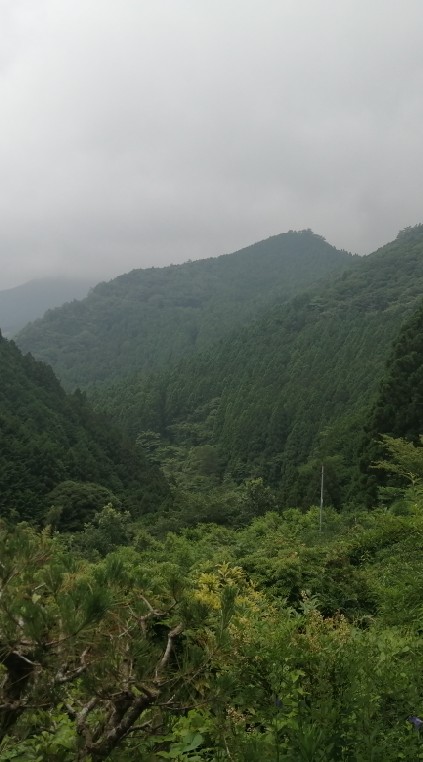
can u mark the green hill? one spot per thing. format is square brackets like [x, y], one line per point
[30, 301]
[294, 388]
[49, 439]
[398, 408]
[150, 318]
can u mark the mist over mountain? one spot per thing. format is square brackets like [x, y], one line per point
[211, 473]
[22, 304]
[292, 387]
[148, 319]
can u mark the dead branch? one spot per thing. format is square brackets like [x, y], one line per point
[165, 658]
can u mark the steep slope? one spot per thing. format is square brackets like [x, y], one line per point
[148, 318]
[20, 305]
[398, 409]
[293, 387]
[48, 437]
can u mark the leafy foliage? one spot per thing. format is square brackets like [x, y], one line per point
[50, 438]
[287, 643]
[149, 318]
[292, 389]
[398, 409]
[84, 638]
[224, 625]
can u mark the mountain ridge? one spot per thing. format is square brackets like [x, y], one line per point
[30, 300]
[294, 385]
[146, 319]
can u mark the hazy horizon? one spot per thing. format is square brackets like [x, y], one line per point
[145, 134]
[97, 278]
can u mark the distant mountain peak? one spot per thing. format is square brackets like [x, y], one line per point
[147, 319]
[22, 304]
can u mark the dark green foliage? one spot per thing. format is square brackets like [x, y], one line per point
[270, 634]
[84, 640]
[149, 318]
[108, 529]
[398, 409]
[48, 437]
[275, 641]
[73, 504]
[294, 387]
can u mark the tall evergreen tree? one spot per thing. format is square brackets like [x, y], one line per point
[49, 437]
[398, 410]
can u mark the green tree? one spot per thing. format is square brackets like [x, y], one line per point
[73, 504]
[94, 643]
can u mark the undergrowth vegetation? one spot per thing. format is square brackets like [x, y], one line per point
[273, 641]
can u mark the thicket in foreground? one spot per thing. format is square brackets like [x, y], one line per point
[272, 642]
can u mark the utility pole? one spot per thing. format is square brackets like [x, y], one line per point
[321, 497]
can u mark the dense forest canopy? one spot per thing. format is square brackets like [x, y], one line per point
[398, 408]
[149, 318]
[49, 438]
[290, 389]
[168, 590]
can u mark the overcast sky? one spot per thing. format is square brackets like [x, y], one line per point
[144, 132]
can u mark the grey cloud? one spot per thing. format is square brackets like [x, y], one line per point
[146, 133]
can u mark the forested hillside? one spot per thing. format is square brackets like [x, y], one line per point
[399, 408]
[397, 412]
[150, 318]
[30, 301]
[294, 388]
[201, 618]
[54, 450]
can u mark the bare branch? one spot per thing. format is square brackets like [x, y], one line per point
[101, 749]
[165, 658]
[148, 604]
[71, 711]
[82, 715]
[66, 677]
